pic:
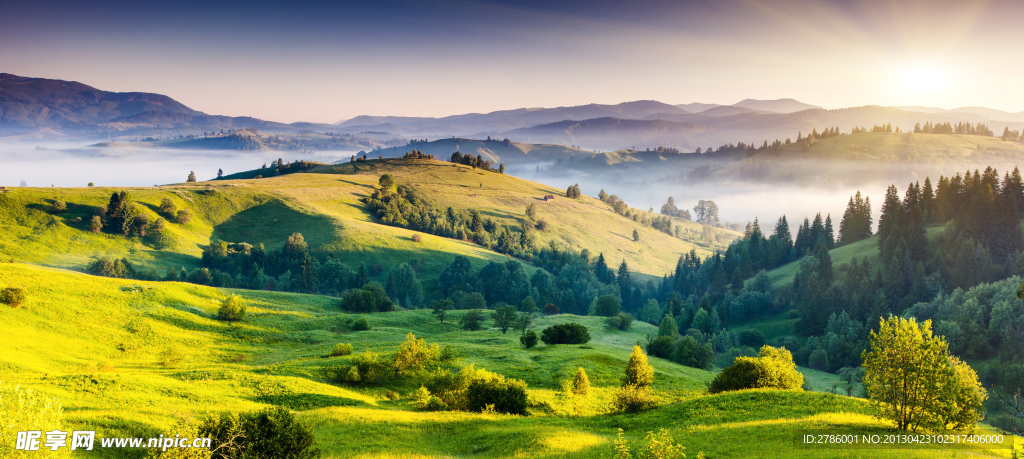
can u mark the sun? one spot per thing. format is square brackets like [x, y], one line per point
[922, 78]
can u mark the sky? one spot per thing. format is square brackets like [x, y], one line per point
[330, 61]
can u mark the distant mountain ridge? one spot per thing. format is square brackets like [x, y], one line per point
[29, 103]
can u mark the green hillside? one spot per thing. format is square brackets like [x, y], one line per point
[327, 208]
[876, 156]
[124, 356]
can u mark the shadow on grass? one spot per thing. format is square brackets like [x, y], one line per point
[272, 222]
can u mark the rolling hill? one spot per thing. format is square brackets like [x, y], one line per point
[326, 206]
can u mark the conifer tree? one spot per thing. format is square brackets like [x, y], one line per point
[639, 373]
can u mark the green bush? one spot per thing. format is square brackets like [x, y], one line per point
[110, 267]
[661, 347]
[370, 298]
[632, 398]
[360, 324]
[621, 321]
[568, 333]
[273, 432]
[773, 368]
[341, 349]
[529, 339]
[231, 309]
[59, 206]
[367, 368]
[693, 354]
[752, 338]
[490, 391]
[472, 320]
[13, 296]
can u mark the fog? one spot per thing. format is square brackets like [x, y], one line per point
[75, 165]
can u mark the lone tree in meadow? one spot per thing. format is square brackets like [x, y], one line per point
[636, 236]
[184, 216]
[231, 309]
[191, 176]
[504, 317]
[441, 308]
[638, 372]
[580, 390]
[606, 306]
[472, 320]
[915, 382]
[59, 206]
[167, 208]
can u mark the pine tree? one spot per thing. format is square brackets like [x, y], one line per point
[581, 390]
[191, 176]
[639, 373]
[892, 210]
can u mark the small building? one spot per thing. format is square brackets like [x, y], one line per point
[549, 198]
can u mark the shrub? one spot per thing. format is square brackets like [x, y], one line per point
[13, 296]
[273, 432]
[541, 225]
[341, 349]
[231, 309]
[416, 237]
[529, 339]
[620, 321]
[504, 317]
[752, 338]
[167, 208]
[184, 216]
[368, 368]
[631, 398]
[415, 354]
[59, 206]
[95, 224]
[25, 409]
[490, 391]
[773, 368]
[360, 324]
[424, 401]
[472, 320]
[569, 333]
[550, 309]
[606, 305]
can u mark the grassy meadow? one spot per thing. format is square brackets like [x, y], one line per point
[124, 356]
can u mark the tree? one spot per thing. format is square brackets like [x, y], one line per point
[387, 182]
[636, 236]
[472, 320]
[606, 306]
[59, 206]
[191, 176]
[441, 308]
[914, 382]
[220, 173]
[231, 309]
[706, 212]
[638, 372]
[523, 322]
[528, 305]
[581, 390]
[531, 211]
[504, 317]
[668, 327]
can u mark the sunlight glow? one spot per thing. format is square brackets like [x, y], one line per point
[923, 78]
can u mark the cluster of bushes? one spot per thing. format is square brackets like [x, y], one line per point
[693, 349]
[272, 432]
[471, 389]
[773, 368]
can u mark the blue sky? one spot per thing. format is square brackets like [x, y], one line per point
[327, 61]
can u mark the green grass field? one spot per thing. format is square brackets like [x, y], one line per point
[123, 356]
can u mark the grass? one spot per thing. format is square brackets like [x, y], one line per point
[102, 348]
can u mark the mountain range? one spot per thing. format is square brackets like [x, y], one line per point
[72, 109]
